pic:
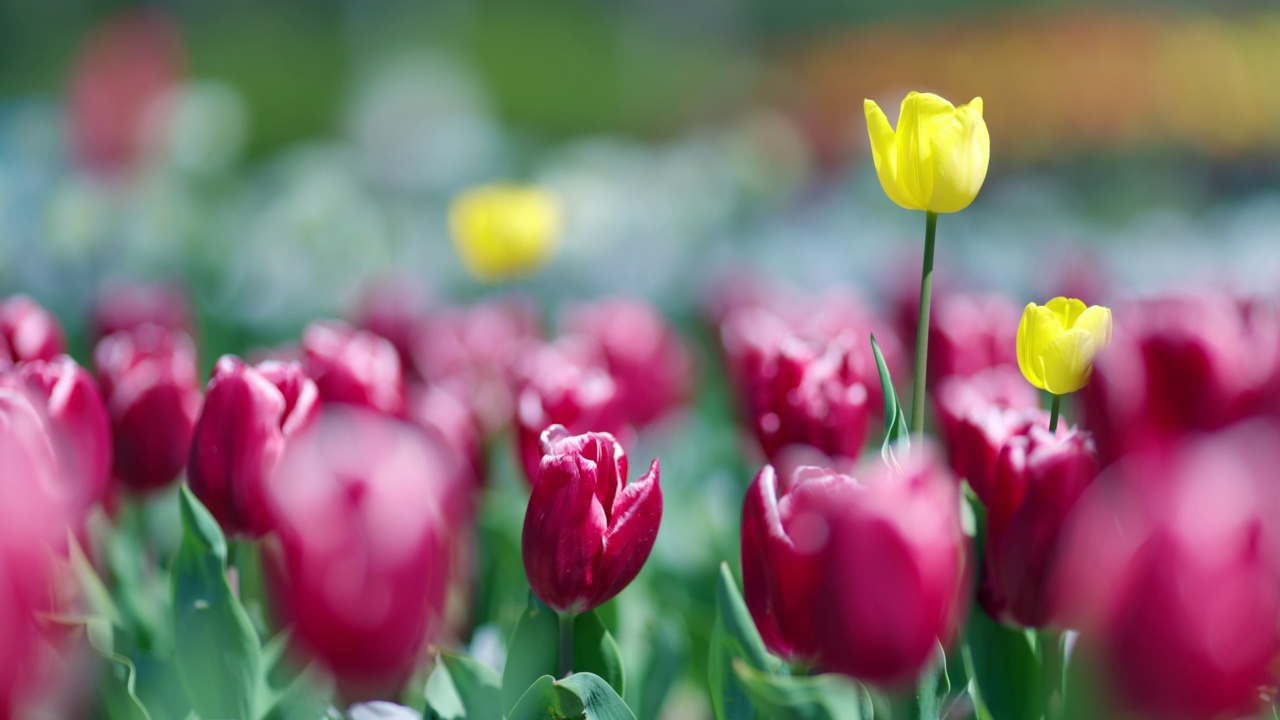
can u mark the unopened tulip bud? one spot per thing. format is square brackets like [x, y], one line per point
[248, 417]
[1057, 342]
[30, 331]
[150, 382]
[505, 231]
[355, 367]
[587, 531]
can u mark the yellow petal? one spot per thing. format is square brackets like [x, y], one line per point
[1067, 310]
[1097, 322]
[921, 113]
[961, 151]
[1067, 361]
[504, 231]
[885, 155]
[1037, 329]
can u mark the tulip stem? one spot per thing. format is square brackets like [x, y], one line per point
[922, 325]
[1054, 409]
[566, 644]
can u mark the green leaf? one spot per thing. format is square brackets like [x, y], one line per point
[819, 697]
[216, 649]
[462, 688]
[668, 655]
[926, 699]
[119, 685]
[897, 433]
[581, 696]
[535, 651]
[1004, 666]
[96, 596]
[734, 636]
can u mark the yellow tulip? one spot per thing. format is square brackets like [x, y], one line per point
[505, 231]
[1057, 343]
[937, 158]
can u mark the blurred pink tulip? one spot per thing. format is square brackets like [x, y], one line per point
[249, 415]
[587, 531]
[28, 331]
[354, 366]
[150, 382]
[127, 306]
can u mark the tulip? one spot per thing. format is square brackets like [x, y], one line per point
[937, 158]
[150, 382]
[354, 366]
[1038, 479]
[1175, 585]
[563, 383]
[587, 531]
[971, 332]
[396, 310]
[978, 415]
[1057, 342]
[356, 503]
[126, 307]
[645, 356]
[504, 231]
[29, 331]
[78, 425]
[861, 578]
[248, 417]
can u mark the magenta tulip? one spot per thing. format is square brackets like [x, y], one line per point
[645, 356]
[128, 306]
[1038, 480]
[150, 382]
[248, 417]
[355, 367]
[356, 503]
[29, 331]
[861, 578]
[587, 531]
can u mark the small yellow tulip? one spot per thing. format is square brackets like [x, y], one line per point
[937, 158]
[505, 231]
[1057, 342]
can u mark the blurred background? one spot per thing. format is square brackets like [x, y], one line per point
[275, 157]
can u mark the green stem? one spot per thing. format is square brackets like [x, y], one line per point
[922, 325]
[566, 644]
[1054, 409]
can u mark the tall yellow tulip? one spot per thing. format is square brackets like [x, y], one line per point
[937, 158]
[505, 231]
[1057, 342]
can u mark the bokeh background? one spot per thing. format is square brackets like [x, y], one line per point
[275, 157]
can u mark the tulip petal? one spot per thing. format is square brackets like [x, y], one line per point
[1067, 360]
[762, 527]
[562, 530]
[884, 154]
[960, 151]
[637, 513]
[1068, 310]
[914, 163]
[1097, 322]
[1039, 326]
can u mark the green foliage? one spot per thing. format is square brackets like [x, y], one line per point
[897, 433]
[462, 688]
[581, 696]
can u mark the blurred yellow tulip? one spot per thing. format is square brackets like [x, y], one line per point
[937, 158]
[505, 231]
[1057, 342]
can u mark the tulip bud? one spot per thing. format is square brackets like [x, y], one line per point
[1038, 479]
[150, 382]
[503, 232]
[644, 354]
[30, 331]
[249, 415]
[78, 425]
[356, 505]
[126, 307]
[936, 160]
[1057, 342]
[354, 366]
[563, 383]
[587, 532]
[863, 578]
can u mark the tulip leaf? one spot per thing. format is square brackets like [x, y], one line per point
[120, 676]
[535, 651]
[1005, 668]
[463, 688]
[926, 699]
[381, 710]
[897, 433]
[668, 656]
[581, 696]
[734, 637]
[819, 697]
[216, 649]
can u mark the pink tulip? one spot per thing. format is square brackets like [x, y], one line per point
[354, 366]
[28, 331]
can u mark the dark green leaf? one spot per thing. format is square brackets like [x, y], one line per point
[734, 636]
[820, 697]
[926, 699]
[1004, 666]
[462, 688]
[538, 702]
[589, 696]
[535, 651]
[216, 649]
[897, 433]
[119, 693]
